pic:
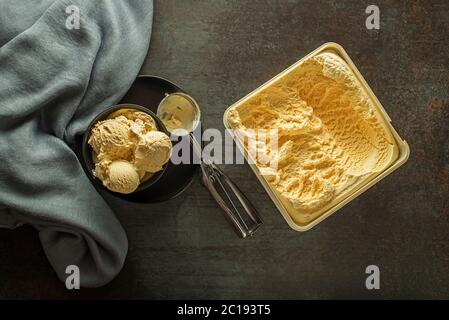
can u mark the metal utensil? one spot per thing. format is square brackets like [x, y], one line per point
[237, 208]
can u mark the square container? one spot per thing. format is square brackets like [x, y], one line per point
[403, 148]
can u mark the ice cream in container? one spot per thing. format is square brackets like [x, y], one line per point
[334, 138]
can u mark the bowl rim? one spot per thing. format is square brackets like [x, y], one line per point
[86, 149]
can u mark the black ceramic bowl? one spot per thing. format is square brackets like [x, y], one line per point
[87, 151]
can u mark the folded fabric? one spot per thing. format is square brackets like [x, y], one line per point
[55, 77]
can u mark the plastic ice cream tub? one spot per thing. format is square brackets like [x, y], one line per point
[398, 157]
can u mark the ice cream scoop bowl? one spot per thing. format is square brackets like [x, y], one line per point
[87, 152]
[180, 113]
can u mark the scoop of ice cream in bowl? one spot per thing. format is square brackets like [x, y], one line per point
[126, 148]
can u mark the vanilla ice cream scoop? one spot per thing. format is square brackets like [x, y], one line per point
[122, 177]
[140, 122]
[110, 138]
[152, 151]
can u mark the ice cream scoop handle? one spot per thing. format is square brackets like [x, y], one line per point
[238, 209]
[229, 215]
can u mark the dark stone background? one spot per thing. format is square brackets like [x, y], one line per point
[220, 50]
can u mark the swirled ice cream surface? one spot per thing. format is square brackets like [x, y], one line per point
[331, 137]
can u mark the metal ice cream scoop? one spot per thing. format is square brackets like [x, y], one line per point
[181, 115]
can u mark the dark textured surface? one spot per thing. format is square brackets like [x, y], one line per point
[220, 50]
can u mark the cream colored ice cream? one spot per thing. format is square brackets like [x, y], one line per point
[128, 149]
[121, 176]
[172, 122]
[111, 139]
[331, 138]
[152, 151]
[139, 122]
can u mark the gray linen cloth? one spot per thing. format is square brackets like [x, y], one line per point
[53, 81]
